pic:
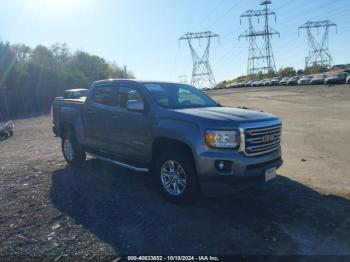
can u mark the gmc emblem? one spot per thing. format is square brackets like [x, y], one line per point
[268, 138]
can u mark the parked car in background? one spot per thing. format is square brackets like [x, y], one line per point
[75, 93]
[255, 83]
[267, 82]
[261, 83]
[264, 82]
[293, 81]
[348, 80]
[275, 81]
[249, 83]
[239, 85]
[181, 137]
[6, 130]
[305, 80]
[244, 84]
[336, 80]
[284, 80]
[318, 80]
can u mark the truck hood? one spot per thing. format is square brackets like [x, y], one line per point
[226, 114]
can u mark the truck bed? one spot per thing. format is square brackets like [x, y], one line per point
[66, 110]
[69, 100]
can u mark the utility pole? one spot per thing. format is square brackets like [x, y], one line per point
[4, 95]
[319, 54]
[125, 72]
[260, 57]
[202, 74]
[183, 79]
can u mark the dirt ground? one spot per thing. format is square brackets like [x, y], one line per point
[50, 210]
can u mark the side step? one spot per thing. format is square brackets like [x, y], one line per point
[128, 166]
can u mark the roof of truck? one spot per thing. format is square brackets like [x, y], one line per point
[76, 90]
[133, 80]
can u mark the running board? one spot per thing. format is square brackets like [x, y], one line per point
[137, 169]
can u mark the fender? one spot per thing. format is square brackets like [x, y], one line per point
[177, 129]
[72, 116]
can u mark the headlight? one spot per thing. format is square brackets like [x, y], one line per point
[222, 139]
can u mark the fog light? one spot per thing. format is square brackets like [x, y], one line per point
[223, 166]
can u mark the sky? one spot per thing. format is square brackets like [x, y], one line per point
[143, 34]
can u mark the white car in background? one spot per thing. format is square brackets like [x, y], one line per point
[305, 80]
[6, 130]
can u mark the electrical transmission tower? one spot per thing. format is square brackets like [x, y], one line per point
[255, 55]
[319, 54]
[202, 74]
[260, 57]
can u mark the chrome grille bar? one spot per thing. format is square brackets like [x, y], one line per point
[261, 140]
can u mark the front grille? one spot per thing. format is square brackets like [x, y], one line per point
[262, 140]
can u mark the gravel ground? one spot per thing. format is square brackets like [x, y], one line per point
[48, 209]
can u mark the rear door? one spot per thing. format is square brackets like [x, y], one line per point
[98, 112]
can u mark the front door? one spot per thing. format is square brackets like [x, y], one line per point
[130, 131]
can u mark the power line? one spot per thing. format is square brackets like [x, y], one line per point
[224, 15]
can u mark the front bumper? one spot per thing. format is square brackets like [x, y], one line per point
[246, 171]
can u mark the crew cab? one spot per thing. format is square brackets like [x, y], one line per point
[176, 133]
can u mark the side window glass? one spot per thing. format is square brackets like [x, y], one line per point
[128, 93]
[104, 95]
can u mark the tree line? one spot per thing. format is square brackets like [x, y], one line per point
[30, 78]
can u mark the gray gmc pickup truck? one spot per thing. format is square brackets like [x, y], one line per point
[179, 135]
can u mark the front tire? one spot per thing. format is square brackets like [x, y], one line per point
[73, 152]
[176, 176]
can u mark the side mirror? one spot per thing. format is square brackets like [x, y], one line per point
[136, 106]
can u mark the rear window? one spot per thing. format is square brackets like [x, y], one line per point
[104, 95]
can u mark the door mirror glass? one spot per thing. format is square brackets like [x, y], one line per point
[137, 106]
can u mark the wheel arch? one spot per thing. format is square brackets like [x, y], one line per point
[66, 128]
[162, 144]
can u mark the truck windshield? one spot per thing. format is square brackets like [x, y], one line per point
[178, 96]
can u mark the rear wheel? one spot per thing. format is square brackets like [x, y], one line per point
[73, 152]
[176, 176]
